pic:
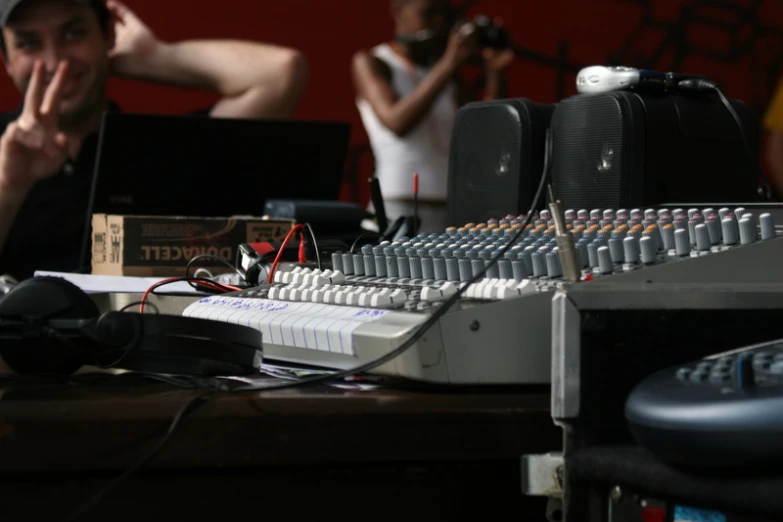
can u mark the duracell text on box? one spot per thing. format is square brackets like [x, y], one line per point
[162, 246]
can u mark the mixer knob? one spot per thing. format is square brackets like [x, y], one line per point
[692, 230]
[703, 242]
[616, 251]
[682, 243]
[584, 256]
[707, 212]
[680, 223]
[767, 227]
[348, 264]
[380, 261]
[545, 215]
[452, 264]
[730, 230]
[747, 231]
[631, 250]
[368, 260]
[667, 235]
[592, 253]
[648, 250]
[605, 265]
[570, 214]
[493, 272]
[427, 262]
[692, 212]
[723, 212]
[739, 211]
[527, 265]
[539, 264]
[664, 211]
[714, 229]
[553, 267]
[337, 261]
[595, 213]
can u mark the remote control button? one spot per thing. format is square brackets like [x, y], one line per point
[684, 374]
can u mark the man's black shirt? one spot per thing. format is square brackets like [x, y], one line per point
[49, 231]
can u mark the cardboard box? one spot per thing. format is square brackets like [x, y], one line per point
[161, 246]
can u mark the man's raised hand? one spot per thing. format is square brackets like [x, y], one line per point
[32, 147]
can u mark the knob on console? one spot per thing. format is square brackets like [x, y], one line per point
[767, 227]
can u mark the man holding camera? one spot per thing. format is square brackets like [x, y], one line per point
[408, 95]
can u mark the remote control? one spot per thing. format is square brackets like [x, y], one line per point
[723, 411]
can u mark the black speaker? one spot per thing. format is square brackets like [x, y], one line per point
[496, 159]
[48, 326]
[623, 149]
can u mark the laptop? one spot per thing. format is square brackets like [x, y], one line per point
[211, 167]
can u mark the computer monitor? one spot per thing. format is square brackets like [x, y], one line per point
[212, 167]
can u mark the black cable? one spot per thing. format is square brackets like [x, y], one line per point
[315, 244]
[700, 85]
[139, 303]
[188, 408]
[212, 258]
[356, 242]
[435, 317]
[191, 280]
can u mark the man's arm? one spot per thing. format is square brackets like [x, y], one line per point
[255, 80]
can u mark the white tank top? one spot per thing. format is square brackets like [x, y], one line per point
[425, 149]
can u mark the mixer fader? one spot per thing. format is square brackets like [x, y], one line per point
[369, 302]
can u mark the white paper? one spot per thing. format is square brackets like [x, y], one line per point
[93, 284]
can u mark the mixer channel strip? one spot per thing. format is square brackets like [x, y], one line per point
[609, 242]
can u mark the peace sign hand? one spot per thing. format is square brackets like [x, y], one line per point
[32, 147]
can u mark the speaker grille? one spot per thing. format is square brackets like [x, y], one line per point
[587, 152]
[485, 163]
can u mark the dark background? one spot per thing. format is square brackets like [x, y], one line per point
[737, 42]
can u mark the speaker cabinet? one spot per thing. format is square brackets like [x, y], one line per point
[622, 150]
[496, 159]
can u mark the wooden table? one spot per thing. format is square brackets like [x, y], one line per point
[285, 455]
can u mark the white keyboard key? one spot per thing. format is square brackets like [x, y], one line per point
[274, 293]
[381, 301]
[398, 296]
[279, 276]
[341, 298]
[305, 296]
[527, 287]
[293, 294]
[337, 277]
[365, 299]
[317, 296]
[441, 293]
[329, 297]
[352, 299]
[283, 295]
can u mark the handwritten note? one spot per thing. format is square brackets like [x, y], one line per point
[313, 326]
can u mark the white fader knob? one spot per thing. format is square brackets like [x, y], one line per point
[767, 227]
[441, 293]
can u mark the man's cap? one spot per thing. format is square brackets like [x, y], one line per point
[7, 8]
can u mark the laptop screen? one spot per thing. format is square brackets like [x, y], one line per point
[212, 167]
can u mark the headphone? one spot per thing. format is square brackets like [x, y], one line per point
[49, 326]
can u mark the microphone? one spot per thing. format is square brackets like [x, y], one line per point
[600, 78]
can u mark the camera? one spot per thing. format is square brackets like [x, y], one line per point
[490, 34]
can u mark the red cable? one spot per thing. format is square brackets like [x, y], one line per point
[281, 250]
[212, 285]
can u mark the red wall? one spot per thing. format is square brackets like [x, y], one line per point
[737, 42]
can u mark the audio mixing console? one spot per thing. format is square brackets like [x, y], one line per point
[369, 302]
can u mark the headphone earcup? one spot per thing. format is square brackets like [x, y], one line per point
[45, 298]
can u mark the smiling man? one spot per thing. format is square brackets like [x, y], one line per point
[59, 54]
